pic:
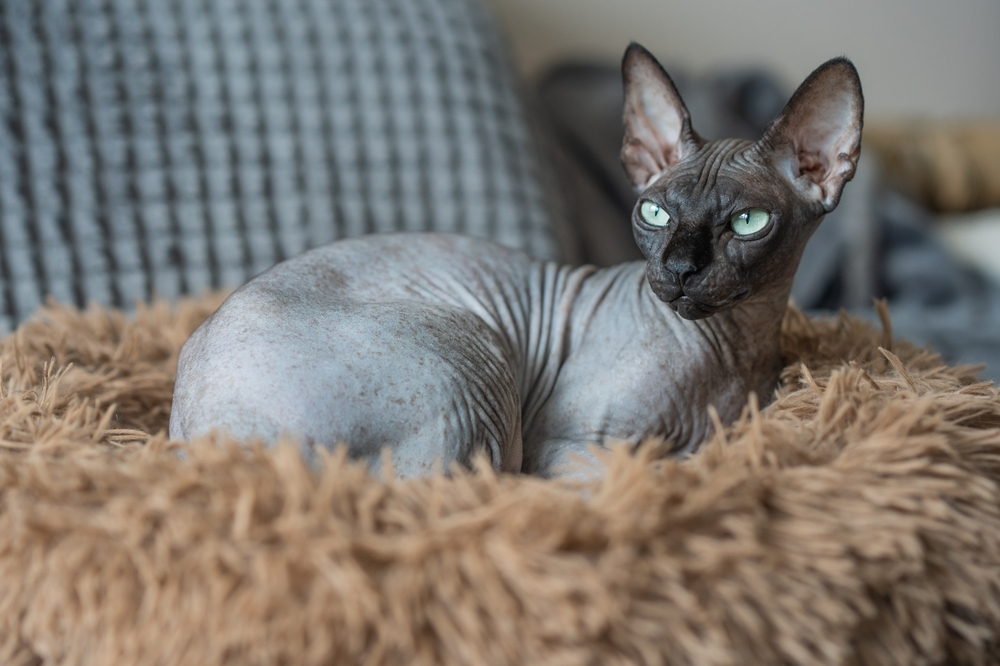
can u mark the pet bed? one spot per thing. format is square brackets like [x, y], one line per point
[855, 520]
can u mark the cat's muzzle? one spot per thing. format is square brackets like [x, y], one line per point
[687, 306]
[670, 292]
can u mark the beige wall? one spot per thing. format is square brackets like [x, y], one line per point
[917, 57]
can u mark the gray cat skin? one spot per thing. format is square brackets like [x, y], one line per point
[438, 346]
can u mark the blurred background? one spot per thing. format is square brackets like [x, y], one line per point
[919, 226]
[916, 57]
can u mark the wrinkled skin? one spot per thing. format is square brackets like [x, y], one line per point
[436, 346]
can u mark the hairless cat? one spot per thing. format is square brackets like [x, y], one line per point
[439, 346]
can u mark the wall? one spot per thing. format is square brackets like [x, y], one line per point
[916, 57]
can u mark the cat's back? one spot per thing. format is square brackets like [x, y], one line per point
[422, 267]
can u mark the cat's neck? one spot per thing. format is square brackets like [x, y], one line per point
[744, 340]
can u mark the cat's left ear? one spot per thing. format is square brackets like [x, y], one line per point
[816, 141]
[658, 130]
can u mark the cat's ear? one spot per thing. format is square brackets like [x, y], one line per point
[658, 130]
[816, 141]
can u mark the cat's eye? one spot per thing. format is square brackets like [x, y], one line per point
[749, 221]
[653, 215]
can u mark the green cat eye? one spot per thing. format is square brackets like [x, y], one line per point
[749, 221]
[653, 214]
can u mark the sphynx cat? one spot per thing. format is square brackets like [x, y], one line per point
[439, 346]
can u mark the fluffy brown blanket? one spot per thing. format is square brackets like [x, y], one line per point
[855, 520]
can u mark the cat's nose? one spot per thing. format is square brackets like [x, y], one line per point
[681, 267]
[687, 253]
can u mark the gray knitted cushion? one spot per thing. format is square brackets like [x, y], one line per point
[169, 146]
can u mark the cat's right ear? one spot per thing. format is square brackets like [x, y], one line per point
[658, 130]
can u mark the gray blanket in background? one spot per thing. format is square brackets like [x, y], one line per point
[877, 244]
[171, 147]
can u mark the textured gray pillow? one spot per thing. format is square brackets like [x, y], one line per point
[169, 146]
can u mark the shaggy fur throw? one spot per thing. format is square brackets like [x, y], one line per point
[856, 520]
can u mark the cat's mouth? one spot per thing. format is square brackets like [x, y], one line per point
[681, 303]
[689, 308]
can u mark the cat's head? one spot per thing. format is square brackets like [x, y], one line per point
[722, 221]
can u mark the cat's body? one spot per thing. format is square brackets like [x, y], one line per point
[472, 345]
[437, 346]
